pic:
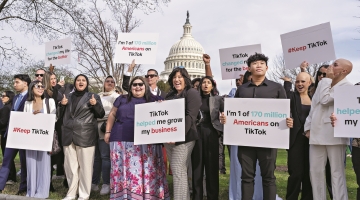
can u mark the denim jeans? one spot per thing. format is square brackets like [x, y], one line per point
[101, 163]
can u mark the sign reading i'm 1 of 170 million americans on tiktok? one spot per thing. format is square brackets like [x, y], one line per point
[139, 46]
[257, 122]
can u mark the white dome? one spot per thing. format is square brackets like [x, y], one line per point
[186, 52]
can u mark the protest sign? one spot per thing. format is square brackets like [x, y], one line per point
[347, 111]
[233, 60]
[257, 122]
[313, 44]
[139, 46]
[29, 131]
[58, 52]
[159, 122]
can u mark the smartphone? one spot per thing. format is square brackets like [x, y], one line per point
[62, 78]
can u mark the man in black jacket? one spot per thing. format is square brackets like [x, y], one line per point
[152, 78]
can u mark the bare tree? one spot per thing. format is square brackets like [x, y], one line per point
[278, 70]
[96, 37]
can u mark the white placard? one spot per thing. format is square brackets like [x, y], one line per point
[257, 122]
[29, 131]
[159, 122]
[58, 52]
[233, 60]
[314, 45]
[347, 111]
[139, 46]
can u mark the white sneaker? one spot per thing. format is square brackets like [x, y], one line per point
[94, 187]
[105, 189]
[68, 198]
[10, 182]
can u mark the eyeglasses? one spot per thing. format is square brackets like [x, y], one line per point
[39, 75]
[323, 74]
[109, 81]
[39, 86]
[151, 75]
[137, 84]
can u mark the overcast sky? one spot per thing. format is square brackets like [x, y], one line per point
[229, 23]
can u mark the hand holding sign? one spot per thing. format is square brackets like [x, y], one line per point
[64, 101]
[222, 118]
[289, 122]
[92, 100]
[36, 112]
[333, 119]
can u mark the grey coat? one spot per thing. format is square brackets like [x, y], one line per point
[216, 105]
[81, 127]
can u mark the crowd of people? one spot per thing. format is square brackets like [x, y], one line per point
[96, 135]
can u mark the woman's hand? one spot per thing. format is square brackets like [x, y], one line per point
[92, 100]
[333, 119]
[36, 112]
[289, 122]
[64, 101]
[107, 138]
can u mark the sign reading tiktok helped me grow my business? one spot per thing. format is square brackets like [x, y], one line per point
[257, 122]
[347, 111]
[159, 122]
[139, 46]
[29, 131]
[313, 44]
[233, 60]
[58, 52]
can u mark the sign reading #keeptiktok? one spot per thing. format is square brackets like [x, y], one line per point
[257, 122]
[159, 122]
[233, 60]
[314, 45]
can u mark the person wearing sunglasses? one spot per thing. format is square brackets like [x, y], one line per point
[323, 145]
[152, 77]
[39, 74]
[21, 83]
[141, 164]
[7, 99]
[80, 110]
[38, 162]
[102, 149]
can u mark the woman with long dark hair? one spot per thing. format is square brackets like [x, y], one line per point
[137, 171]
[80, 110]
[179, 153]
[38, 162]
[7, 99]
[206, 149]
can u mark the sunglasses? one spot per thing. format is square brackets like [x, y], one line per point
[137, 84]
[151, 76]
[39, 75]
[3, 96]
[110, 81]
[181, 67]
[323, 74]
[39, 86]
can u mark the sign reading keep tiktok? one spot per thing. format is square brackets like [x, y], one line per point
[257, 122]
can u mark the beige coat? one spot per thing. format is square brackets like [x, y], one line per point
[318, 121]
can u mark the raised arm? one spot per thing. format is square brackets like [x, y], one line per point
[126, 77]
[206, 59]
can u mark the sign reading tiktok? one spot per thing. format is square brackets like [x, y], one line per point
[159, 122]
[252, 122]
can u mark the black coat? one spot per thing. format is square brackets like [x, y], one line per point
[4, 117]
[296, 111]
[81, 128]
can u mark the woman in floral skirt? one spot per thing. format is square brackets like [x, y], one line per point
[137, 171]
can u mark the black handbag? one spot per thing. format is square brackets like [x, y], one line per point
[103, 127]
[55, 146]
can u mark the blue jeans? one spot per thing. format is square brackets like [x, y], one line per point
[101, 163]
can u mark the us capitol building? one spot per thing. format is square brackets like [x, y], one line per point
[186, 52]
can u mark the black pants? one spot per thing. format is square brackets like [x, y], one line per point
[12, 174]
[299, 168]
[222, 166]
[206, 154]
[59, 158]
[356, 163]
[267, 159]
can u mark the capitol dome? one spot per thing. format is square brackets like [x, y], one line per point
[186, 52]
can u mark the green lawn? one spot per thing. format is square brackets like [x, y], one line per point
[281, 181]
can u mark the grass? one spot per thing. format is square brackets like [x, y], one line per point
[281, 181]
